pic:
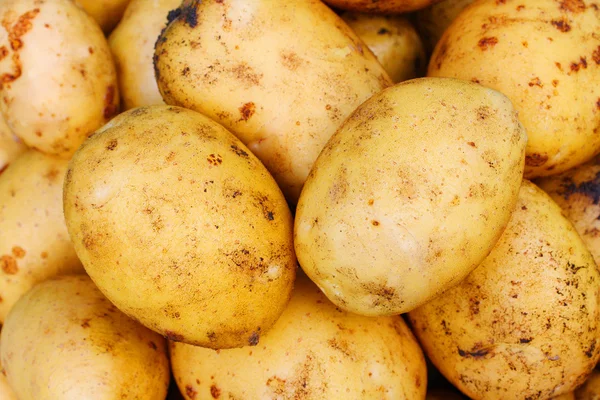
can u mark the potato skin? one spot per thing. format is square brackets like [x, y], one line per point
[10, 145]
[181, 227]
[433, 21]
[314, 351]
[590, 390]
[387, 208]
[381, 6]
[282, 76]
[58, 81]
[65, 340]
[544, 55]
[107, 13]
[524, 324]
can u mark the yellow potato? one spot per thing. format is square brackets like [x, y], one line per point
[393, 40]
[65, 340]
[34, 242]
[57, 78]
[381, 6]
[545, 56]
[282, 76]
[181, 226]
[107, 13]
[435, 19]
[314, 351]
[590, 390]
[10, 145]
[409, 196]
[525, 323]
[132, 43]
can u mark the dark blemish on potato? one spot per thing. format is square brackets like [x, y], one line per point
[247, 111]
[375, 223]
[189, 13]
[520, 7]
[574, 6]
[174, 337]
[576, 66]
[18, 252]
[170, 157]
[215, 159]
[44, 255]
[152, 345]
[110, 108]
[238, 151]
[112, 144]
[535, 159]
[90, 50]
[487, 43]
[598, 103]
[555, 82]
[341, 346]
[290, 60]
[561, 24]
[9, 265]
[590, 351]
[246, 74]
[173, 15]
[590, 188]
[185, 71]
[20, 28]
[525, 44]
[211, 336]
[38, 133]
[215, 392]
[596, 55]
[254, 339]
[443, 49]
[535, 82]
[558, 65]
[525, 340]
[383, 31]
[263, 203]
[475, 353]
[482, 113]
[3, 168]
[190, 392]
[85, 323]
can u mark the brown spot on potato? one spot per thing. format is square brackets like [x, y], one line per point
[520, 7]
[487, 43]
[535, 82]
[3, 52]
[558, 65]
[38, 133]
[110, 108]
[152, 345]
[590, 189]
[170, 157]
[525, 340]
[246, 74]
[535, 159]
[44, 255]
[441, 54]
[290, 60]
[475, 353]
[112, 144]
[9, 265]
[561, 24]
[215, 159]
[190, 392]
[482, 113]
[525, 44]
[85, 323]
[189, 12]
[254, 338]
[215, 392]
[576, 66]
[596, 55]
[20, 28]
[342, 346]
[555, 82]
[18, 252]
[574, 6]
[590, 351]
[247, 111]
[173, 336]
[472, 144]
[375, 223]
[238, 151]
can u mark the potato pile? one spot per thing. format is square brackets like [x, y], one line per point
[261, 199]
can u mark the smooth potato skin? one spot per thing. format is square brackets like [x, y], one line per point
[408, 197]
[182, 227]
[545, 56]
[524, 324]
[107, 13]
[381, 6]
[65, 340]
[34, 242]
[10, 146]
[590, 390]
[282, 76]
[314, 351]
[58, 80]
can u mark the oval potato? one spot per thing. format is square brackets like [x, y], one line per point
[10, 145]
[381, 6]
[107, 13]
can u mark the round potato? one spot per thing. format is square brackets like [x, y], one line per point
[107, 13]
[408, 197]
[181, 227]
[590, 390]
[314, 351]
[65, 340]
[545, 56]
[10, 145]
[524, 324]
[381, 6]
[132, 44]
[57, 78]
[393, 40]
[34, 242]
[282, 76]
[433, 21]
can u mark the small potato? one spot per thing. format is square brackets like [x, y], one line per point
[10, 145]
[525, 323]
[34, 242]
[107, 13]
[393, 40]
[433, 21]
[590, 390]
[57, 77]
[132, 43]
[314, 351]
[65, 340]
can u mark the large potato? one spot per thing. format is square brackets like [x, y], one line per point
[409, 196]
[65, 340]
[10, 146]
[435, 19]
[57, 78]
[282, 76]
[132, 43]
[107, 13]
[524, 324]
[181, 226]
[590, 390]
[314, 351]
[381, 6]
[34, 242]
[545, 56]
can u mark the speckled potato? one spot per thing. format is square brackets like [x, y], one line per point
[34, 242]
[314, 351]
[107, 13]
[282, 76]
[181, 227]
[381, 6]
[433, 21]
[408, 197]
[57, 78]
[545, 56]
[393, 40]
[590, 390]
[524, 324]
[132, 43]
[65, 340]
[10, 145]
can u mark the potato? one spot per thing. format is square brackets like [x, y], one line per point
[107, 13]
[393, 40]
[57, 78]
[181, 227]
[282, 76]
[590, 390]
[34, 242]
[524, 324]
[132, 43]
[10, 145]
[381, 6]
[65, 340]
[545, 56]
[314, 351]
[435, 19]
[408, 197]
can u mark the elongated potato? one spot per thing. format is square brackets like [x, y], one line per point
[10, 145]
[433, 21]
[107, 13]
[282, 76]
[57, 78]
[381, 6]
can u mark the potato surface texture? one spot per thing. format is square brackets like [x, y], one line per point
[181, 226]
[65, 340]
[10, 146]
[107, 13]
[282, 76]
[524, 324]
[57, 78]
[410, 194]
[545, 56]
[435, 19]
[314, 351]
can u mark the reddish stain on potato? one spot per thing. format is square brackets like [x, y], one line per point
[247, 111]
[85, 323]
[9, 265]
[18, 252]
[535, 82]
[20, 28]
[112, 144]
[561, 24]
[576, 66]
[487, 42]
[574, 6]
[190, 392]
[535, 159]
[110, 108]
[215, 392]
[596, 55]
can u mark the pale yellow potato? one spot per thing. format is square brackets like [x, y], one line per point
[10, 145]
[545, 56]
[34, 242]
[107, 13]
[182, 227]
[590, 390]
[57, 77]
[393, 40]
[381, 6]
[435, 19]
[524, 324]
[409, 196]
[314, 351]
[65, 340]
[282, 76]
[132, 43]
